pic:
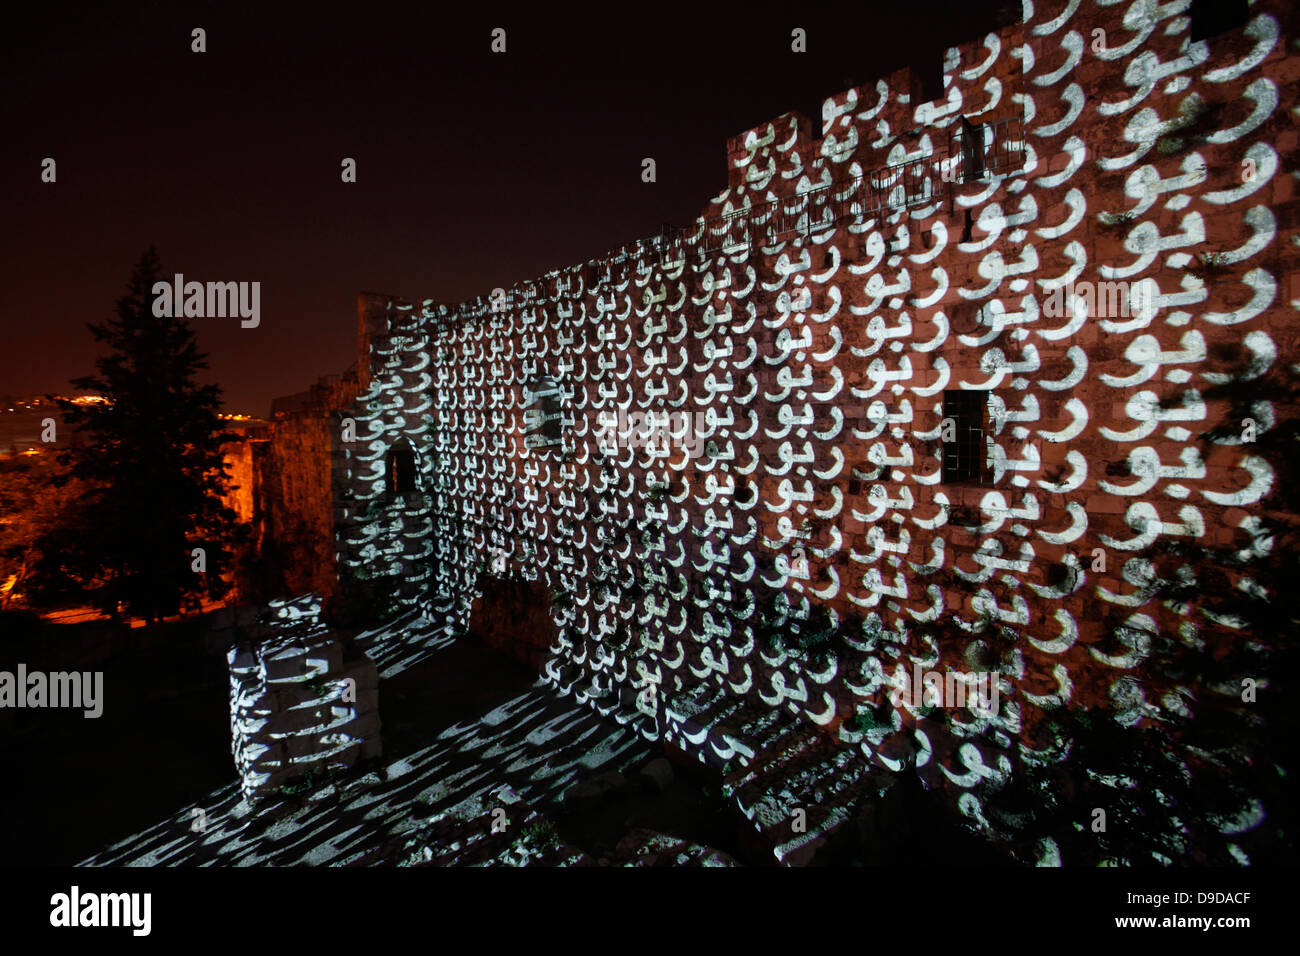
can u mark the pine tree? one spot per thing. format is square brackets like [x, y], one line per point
[152, 457]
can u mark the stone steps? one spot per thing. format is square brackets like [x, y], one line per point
[795, 784]
[500, 830]
[691, 723]
[799, 789]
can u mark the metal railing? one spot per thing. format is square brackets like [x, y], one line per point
[973, 153]
[977, 152]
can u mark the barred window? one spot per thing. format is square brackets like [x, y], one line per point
[965, 412]
[543, 417]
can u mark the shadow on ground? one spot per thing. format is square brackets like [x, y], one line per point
[74, 784]
[466, 729]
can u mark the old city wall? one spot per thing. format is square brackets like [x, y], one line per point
[296, 474]
[815, 334]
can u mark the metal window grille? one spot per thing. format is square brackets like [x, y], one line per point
[544, 417]
[964, 455]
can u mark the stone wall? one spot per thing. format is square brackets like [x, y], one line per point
[1090, 229]
[297, 471]
[242, 495]
[513, 617]
[300, 701]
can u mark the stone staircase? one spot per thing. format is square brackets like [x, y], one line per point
[795, 784]
[799, 788]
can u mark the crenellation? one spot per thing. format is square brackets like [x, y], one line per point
[813, 324]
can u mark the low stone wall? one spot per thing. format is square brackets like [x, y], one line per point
[513, 617]
[300, 700]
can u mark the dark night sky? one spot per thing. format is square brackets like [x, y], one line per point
[475, 170]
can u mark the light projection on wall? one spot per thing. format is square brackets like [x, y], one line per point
[296, 705]
[528, 750]
[834, 305]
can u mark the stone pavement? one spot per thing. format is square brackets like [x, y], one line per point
[531, 748]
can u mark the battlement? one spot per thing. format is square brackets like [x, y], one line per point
[948, 368]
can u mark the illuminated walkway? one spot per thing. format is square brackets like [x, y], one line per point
[451, 776]
[536, 744]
